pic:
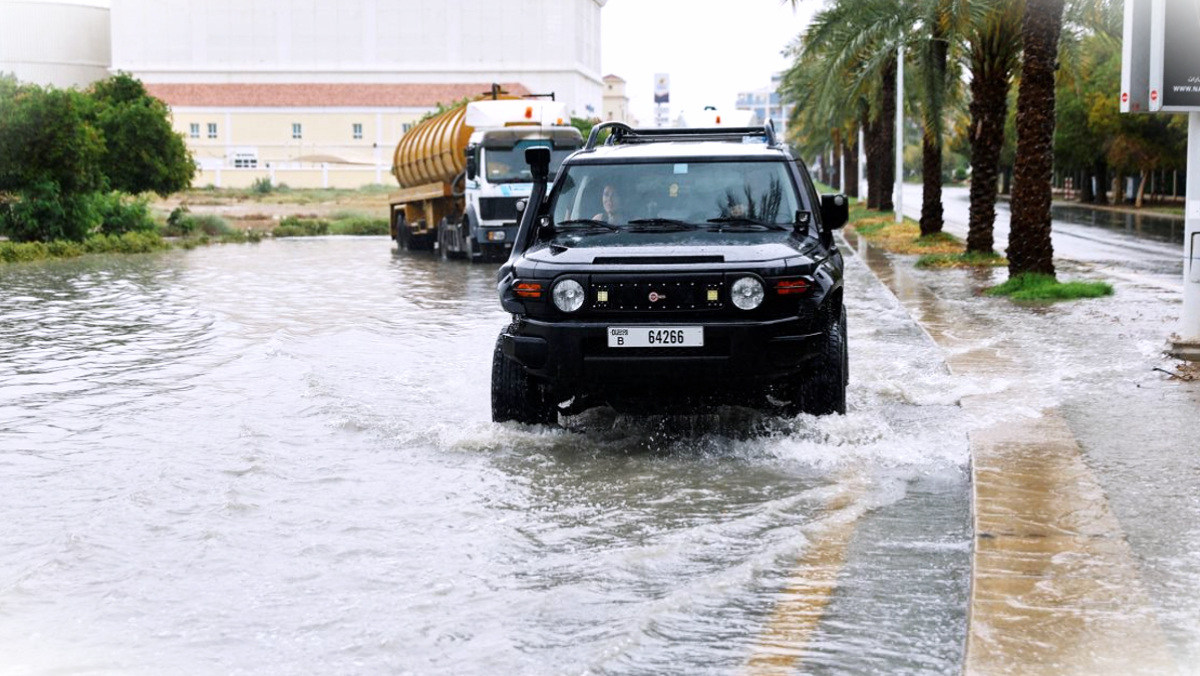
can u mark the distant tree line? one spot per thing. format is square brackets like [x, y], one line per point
[1025, 88]
[70, 160]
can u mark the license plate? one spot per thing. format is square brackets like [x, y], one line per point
[656, 336]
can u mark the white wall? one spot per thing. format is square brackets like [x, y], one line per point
[65, 44]
[548, 45]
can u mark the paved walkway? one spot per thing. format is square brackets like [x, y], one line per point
[1055, 589]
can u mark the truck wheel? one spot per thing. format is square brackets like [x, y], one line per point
[824, 391]
[516, 396]
[443, 248]
[402, 234]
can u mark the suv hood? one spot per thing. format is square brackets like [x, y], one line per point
[712, 249]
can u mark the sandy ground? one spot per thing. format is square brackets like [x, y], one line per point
[262, 212]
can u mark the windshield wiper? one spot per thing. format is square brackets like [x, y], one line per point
[647, 224]
[591, 223]
[743, 221]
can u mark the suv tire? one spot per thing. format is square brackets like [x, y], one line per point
[824, 391]
[516, 396]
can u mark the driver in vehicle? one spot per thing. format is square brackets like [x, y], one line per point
[610, 201]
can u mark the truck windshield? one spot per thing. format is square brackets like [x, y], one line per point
[706, 194]
[507, 165]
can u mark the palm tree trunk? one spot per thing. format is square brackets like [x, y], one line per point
[989, 109]
[871, 140]
[931, 146]
[931, 186]
[850, 152]
[1029, 247]
[887, 135]
[1101, 174]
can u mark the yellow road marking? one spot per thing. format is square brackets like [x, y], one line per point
[802, 603]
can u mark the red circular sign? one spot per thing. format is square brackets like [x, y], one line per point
[1154, 95]
[1124, 97]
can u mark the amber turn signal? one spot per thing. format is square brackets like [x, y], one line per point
[789, 287]
[528, 289]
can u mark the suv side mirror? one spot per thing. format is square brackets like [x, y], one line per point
[472, 162]
[835, 211]
[538, 158]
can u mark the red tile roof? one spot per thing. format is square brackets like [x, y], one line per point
[323, 95]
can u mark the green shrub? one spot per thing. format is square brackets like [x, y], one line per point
[43, 213]
[360, 225]
[262, 186]
[119, 214]
[126, 243]
[1031, 286]
[242, 237]
[129, 242]
[294, 226]
[182, 223]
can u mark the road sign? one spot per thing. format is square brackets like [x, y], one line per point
[1135, 57]
[1175, 56]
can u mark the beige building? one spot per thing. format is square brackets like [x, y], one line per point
[318, 92]
[305, 136]
[64, 43]
[616, 102]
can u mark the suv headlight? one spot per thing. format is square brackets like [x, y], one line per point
[747, 293]
[568, 295]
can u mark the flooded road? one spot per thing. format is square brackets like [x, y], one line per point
[278, 459]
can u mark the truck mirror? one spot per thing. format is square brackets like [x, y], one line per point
[538, 158]
[472, 162]
[835, 211]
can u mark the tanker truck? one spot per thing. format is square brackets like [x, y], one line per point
[462, 172]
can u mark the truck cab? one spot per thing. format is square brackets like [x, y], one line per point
[497, 178]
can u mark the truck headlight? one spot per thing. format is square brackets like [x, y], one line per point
[747, 293]
[568, 295]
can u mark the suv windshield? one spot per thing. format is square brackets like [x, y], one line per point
[706, 194]
[507, 165]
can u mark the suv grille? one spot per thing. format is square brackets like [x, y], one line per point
[678, 293]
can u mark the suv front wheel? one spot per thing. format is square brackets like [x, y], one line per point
[516, 396]
[822, 390]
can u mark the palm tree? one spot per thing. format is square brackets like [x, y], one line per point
[937, 35]
[848, 54]
[1029, 247]
[993, 50]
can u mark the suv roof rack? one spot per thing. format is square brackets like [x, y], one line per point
[623, 133]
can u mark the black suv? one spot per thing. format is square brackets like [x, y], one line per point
[672, 269]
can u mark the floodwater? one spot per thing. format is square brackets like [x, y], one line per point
[279, 459]
[1139, 225]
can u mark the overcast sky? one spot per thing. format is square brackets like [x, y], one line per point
[712, 49]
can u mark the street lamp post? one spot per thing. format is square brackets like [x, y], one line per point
[898, 196]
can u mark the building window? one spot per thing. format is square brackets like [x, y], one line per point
[357, 127]
[405, 126]
[245, 163]
[297, 130]
[212, 129]
[194, 130]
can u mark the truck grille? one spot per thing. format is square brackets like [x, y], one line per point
[498, 208]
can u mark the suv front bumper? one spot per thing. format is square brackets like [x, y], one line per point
[575, 355]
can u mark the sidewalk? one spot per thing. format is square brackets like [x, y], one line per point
[1056, 584]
